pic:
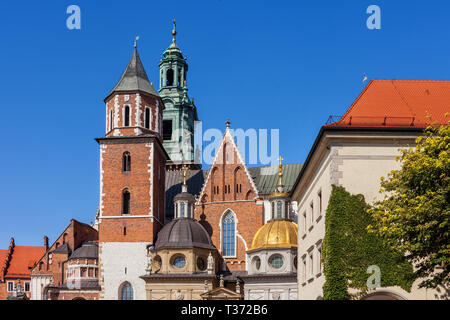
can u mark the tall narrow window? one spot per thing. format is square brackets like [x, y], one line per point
[279, 209]
[127, 292]
[273, 210]
[126, 202]
[304, 221]
[147, 118]
[110, 120]
[319, 195]
[286, 210]
[167, 129]
[127, 116]
[126, 162]
[182, 209]
[229, 236]
[169, 77]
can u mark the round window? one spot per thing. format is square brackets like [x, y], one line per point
[276, 261]
[257, 262]
[201, 265]
[179, 262]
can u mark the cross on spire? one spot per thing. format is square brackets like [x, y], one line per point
[228, 122]
[135, 41]
[174, 31]
[185, 168]
[280, 172]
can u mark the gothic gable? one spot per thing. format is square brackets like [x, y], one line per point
[228, 177]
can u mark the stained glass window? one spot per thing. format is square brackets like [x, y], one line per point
[179, 262]
[276, 262]
[127, 292]
[229, 236]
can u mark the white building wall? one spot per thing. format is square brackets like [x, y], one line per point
[123, 262]
[270, 290]
[38, 283]
[356, 162]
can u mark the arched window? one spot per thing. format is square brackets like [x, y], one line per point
[228, 235]
[147, 118]
[279, 209]
[126, 162]
[126, 202]
[169, 77]
[126, 293]
[127, 116]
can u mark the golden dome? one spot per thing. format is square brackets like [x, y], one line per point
[276, 234]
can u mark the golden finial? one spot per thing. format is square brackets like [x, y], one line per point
[280, 171]
[185, 168]
[174, 31]
[228, 122]
[135, 41]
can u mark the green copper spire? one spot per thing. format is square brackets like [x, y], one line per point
[180, 112]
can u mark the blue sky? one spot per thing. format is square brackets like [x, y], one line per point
[277, 64]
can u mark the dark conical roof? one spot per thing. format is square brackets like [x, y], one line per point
[134, 77]
[183, 233]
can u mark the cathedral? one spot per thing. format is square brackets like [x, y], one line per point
[165, 228]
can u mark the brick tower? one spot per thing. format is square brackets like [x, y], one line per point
[132, 178]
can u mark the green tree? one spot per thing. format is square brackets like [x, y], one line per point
[413, 218]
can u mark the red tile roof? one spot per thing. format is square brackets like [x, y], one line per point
[398, 103]
[3, 256]
[22, 258]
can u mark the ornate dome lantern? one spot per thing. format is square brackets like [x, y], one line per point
[279, 198]
[274, 246]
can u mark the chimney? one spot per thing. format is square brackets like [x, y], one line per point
[46, 243]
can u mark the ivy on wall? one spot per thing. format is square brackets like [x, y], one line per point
[348, 250]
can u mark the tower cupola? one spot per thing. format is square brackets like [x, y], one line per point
[184, 201]
[279, 198]
[180, 113]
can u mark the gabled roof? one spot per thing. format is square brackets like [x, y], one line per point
[398, 103]
[22, 259]
[265, 178]
[228, 137]
[134, 78]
